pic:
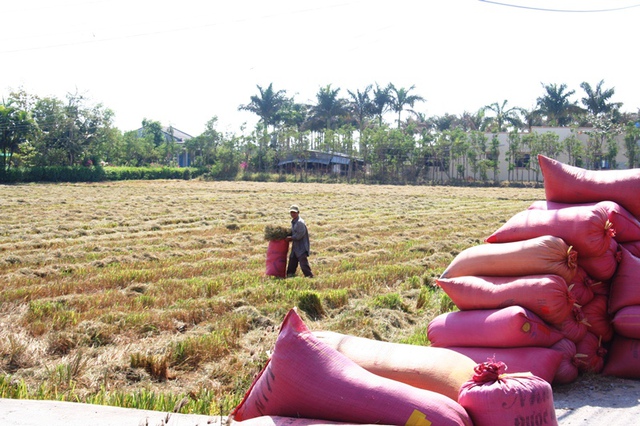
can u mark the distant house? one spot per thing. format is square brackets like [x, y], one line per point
[323, 162]
[179, 137]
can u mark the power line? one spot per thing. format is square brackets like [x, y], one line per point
[562, 10]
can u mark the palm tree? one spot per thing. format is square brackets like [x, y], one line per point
[361, 106]
[382, 101]
[470, 121]
[597, 101]
[555, 106]
[503, 116]
[329, 110]
[267, 105]
[401, 98]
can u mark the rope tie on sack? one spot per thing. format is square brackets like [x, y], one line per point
[489, 371]
[609, 229]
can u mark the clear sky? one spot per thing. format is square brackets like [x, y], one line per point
[181, 62]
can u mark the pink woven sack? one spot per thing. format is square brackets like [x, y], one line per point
[277, 251]
[537, 256]
[633, 247]
[626, 322]
[290, 421]
[567, 370]
[623, 358]
[575, 326]
[545, 295]
[439, 370]
[494, 398]
[586, 228]
[541, 362]
[513, 326]
[602, 267]
[568, 184]
[596, 315]
[306, 378]
[580, 287]
[625, 285]
[590, 354]
[627, 227]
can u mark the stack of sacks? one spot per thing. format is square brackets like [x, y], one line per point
[513, 297]
[308, 379]
[613, 314]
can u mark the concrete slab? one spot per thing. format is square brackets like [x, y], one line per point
[20, 412]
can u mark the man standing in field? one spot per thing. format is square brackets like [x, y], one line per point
[300, 245]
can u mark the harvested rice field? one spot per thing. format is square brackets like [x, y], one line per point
[152, 294]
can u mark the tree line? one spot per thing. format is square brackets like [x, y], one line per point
[378, 124]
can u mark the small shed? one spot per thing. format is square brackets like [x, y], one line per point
[324, 162]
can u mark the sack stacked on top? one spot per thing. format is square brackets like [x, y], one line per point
[571, 263]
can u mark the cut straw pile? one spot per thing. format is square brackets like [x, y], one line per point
[273, 233]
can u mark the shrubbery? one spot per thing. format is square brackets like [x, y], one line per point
[96, 174]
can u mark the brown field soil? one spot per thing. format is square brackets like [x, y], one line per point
[158, 287]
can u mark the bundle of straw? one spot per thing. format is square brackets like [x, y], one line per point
[273, 232]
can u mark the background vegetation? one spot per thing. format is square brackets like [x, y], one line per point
[380, 124]
[152, 294]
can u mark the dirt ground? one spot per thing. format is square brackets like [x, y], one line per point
[590, 400]
[598, 400]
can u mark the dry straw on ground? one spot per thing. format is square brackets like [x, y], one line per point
[159, 286]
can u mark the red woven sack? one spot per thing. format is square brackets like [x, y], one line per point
[590, 354]
[602, 267]
[567, 370]
[290, 421]
[545, 295]
[596, 315]
[625, 285]
[513, 326]
[541, 362]
[537, 256]
[306, 378]
[568, 184]
[633, 247]
[627, 227]
[493, 398]
[626, 322]
[575, 326]
[587, 229]
[623, 358]
[277, 251]
[601, 287]
[439, 370]
[580, 287]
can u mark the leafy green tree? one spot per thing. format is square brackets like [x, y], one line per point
[556, 107]
[574, 149]
[632, 144]
[50, 115]
[514, 151]
[602, 147]
[494, 157]
[204, 147]
[16, 128]
[503, 117]
[401, 98]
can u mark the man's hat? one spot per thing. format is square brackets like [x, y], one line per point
[294, 208]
